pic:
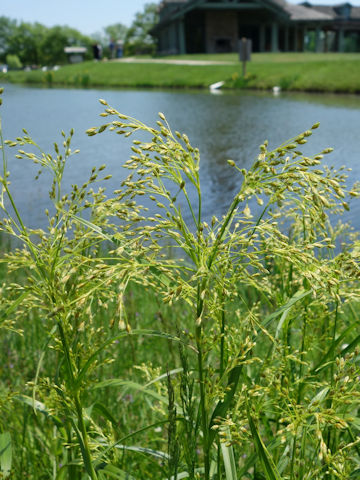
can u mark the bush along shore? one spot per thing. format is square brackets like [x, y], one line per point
[296, 72]
[238, 357]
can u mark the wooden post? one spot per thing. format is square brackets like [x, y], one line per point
[245, 46]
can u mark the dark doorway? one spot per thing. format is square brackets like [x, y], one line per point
[223, 45]
[195, 32]
[252, 32]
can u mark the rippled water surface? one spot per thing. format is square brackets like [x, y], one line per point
[223, 126]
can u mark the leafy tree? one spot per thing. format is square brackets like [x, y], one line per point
[34, 43]
[13, 61]
[118, 31]
[27, 42]
[7, 29]
[138, 39]
[56, 39]
[114, 32]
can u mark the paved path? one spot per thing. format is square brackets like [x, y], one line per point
[171, 62]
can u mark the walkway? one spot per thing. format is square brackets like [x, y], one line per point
[171, 62]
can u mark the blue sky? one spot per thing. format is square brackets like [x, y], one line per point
[88, 16]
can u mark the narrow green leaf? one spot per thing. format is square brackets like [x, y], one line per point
[147, 451]
[223, 405]
[84, 451]
[5, 454]
[38, 406]
[125, 334]
[294, 299]
[132, 434]
[13, 306]
[99, 407]
[248, 464]
[269, 468]
[319, 397]
[234, 375]
[182, 475]
[43, 351]
[229, 458]
[164, 375]
[114, 382]
[110, 471]
[327, 359]
[282, 321]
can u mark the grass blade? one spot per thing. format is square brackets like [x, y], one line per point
[39, 407]
[144, 332]
[269, 469]
[234, 375]
[114, 382]
[110, 471]
[229, 458]
[5, 454]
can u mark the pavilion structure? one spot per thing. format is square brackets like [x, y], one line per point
[215, 26]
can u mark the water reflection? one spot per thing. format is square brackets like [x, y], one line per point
[229, 126]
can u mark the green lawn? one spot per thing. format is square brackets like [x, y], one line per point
[291, 71]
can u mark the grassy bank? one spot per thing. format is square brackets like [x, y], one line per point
[296, 71]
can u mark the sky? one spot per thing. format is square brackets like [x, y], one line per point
[88, 16]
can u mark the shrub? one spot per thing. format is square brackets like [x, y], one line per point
[13, 62]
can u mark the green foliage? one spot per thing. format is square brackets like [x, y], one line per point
[138, 39]
[13, 62]
[117, 31]
[36, 44]
[236, 357]
[5, 454]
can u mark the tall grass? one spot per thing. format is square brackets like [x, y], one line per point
[236, 357]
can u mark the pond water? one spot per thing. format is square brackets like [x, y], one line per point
[224, 126]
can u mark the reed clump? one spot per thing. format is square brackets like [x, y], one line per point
[236, 357]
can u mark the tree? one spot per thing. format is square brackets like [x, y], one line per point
[7, 31]
[13, 62]
[110, 35]
[35, 44]
[56, 39]
[27, 42]
[138, 39]
[118, 31]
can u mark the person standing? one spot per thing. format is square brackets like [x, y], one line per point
[119, 49]
[112, 48]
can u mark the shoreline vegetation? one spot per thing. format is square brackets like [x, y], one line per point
[312, 72]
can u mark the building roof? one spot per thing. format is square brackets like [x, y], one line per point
[341, 11]
[303, 13]
[172, 9]
[75, 49]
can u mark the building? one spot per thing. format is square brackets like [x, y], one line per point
[75, 54]
[215, 26]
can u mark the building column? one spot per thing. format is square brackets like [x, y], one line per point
[317, 39]
[296, 39]
[304, 35]
[326, 40]
[262, 38]
[286, 45]
[341, 38]
[274, 37]
[173, 39]
[182, 42]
